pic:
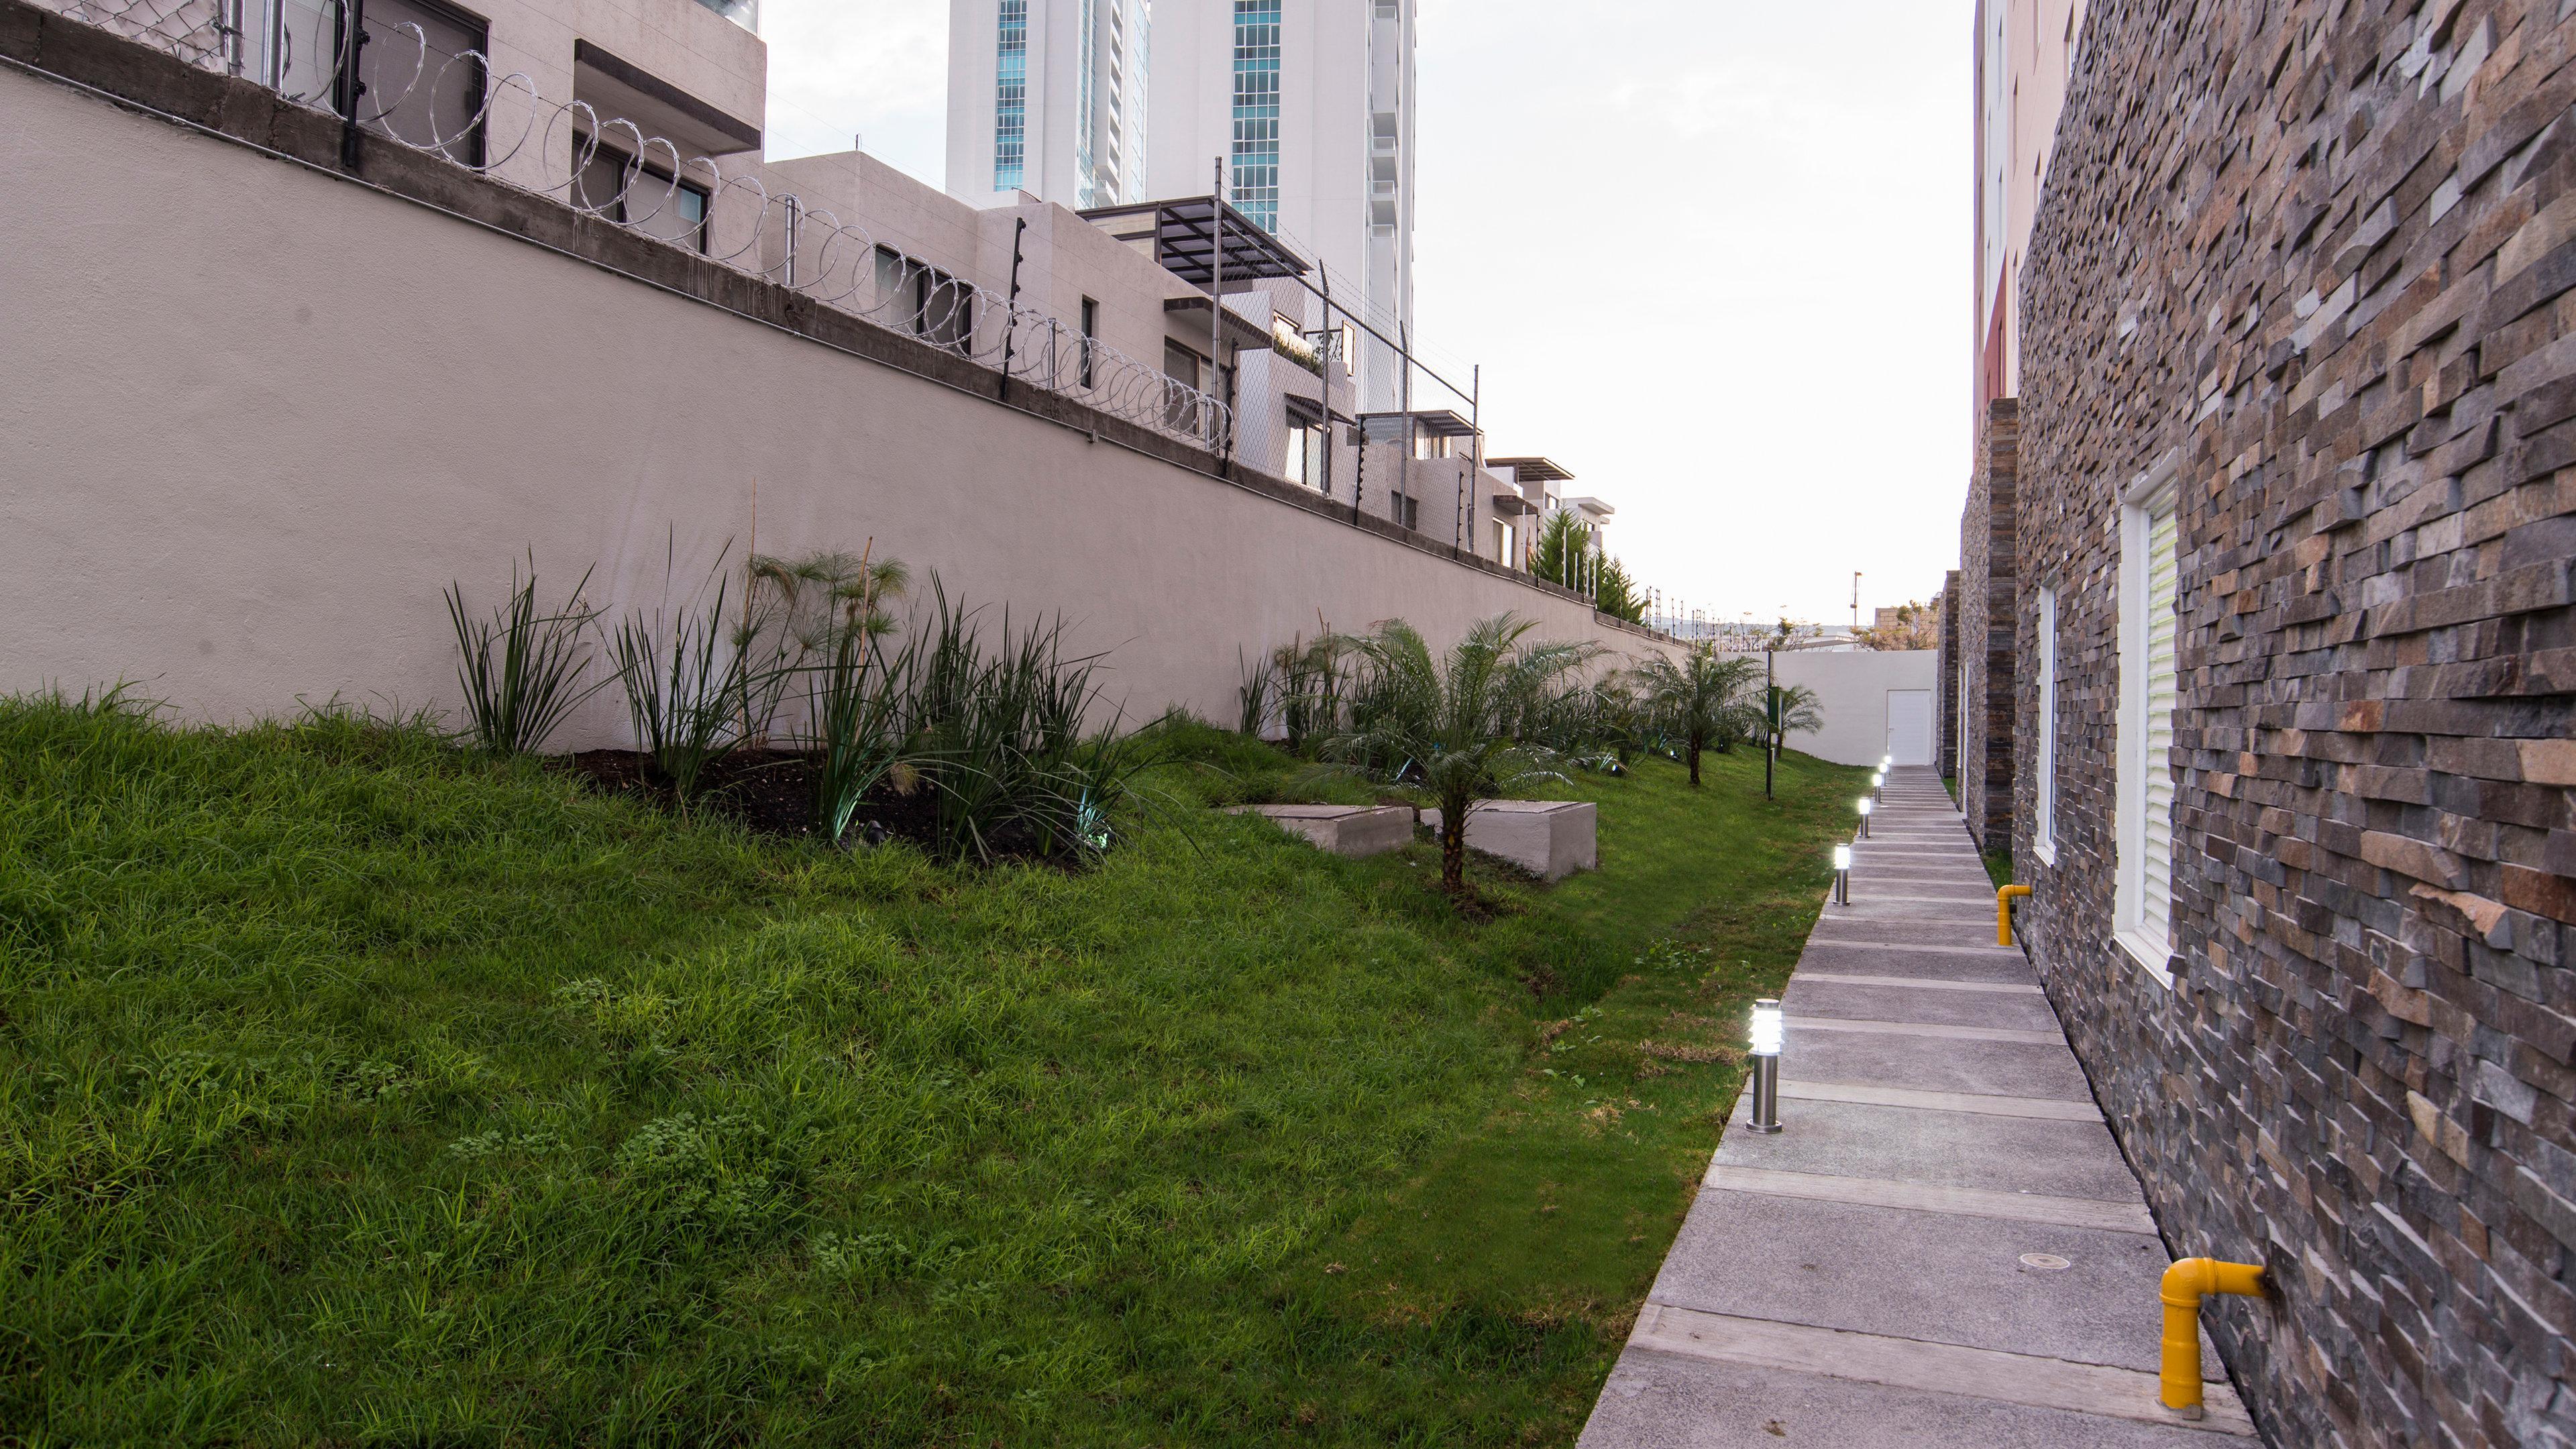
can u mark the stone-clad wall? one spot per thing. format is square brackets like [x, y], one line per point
[2320, 252]
[1989, 602]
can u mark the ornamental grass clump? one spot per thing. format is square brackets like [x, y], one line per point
[1444, 724]
[999, 730]
[521, 669]
[689, 690]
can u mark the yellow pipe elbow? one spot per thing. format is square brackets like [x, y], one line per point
[2186, 1283]
[2003, 912]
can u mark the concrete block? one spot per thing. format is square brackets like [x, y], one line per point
[1350, 830]
[1551, 839]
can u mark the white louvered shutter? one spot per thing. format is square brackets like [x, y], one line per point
[2155, 899]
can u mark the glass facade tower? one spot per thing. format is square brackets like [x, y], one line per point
[1255, 184]
[1011, 97]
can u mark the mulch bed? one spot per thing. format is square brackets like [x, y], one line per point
[768, 792]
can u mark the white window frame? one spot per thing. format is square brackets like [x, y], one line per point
[2152, 494]
[2043, 813]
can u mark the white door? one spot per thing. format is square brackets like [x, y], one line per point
[1909, 726]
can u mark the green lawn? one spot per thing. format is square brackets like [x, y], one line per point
[353, 1091]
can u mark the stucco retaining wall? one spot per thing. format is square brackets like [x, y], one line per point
[258, 414]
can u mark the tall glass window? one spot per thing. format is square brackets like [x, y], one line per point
[1011, 97]
[1256, 110]
[1086, 147]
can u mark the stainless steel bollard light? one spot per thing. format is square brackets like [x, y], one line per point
[1878, 787]
[1842, 875]
[1765, 1048]
[1865, 807]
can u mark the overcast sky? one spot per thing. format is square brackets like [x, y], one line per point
[1712, 255]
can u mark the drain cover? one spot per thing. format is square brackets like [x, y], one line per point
[2045, 1262]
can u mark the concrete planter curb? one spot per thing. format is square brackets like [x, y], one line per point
[1347, 830]
[1551, 839]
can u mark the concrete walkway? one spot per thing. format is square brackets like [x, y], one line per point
[1944, 1247]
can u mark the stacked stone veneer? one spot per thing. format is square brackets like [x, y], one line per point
[2320, 253]
[1988, 605]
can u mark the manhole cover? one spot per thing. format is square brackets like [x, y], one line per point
[2045, 1262]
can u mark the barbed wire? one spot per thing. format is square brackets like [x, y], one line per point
[808, 249]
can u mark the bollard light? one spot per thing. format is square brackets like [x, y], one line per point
[1864, 817]
[1878, 785]
[1768, 1029]
[1842, 875]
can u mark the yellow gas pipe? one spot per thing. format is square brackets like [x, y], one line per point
[2186, 1283]
[2003, 912]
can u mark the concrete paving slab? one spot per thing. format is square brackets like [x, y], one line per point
[1660, 1398]
[1957, 930]
[1941, 1277]
[2050, 1109]
[1932, 917]
[1815, 996]
[1993, 1069]
[1939, 1148]
[1942, 962]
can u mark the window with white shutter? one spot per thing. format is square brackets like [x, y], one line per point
[2043, 812]
[2149, 693]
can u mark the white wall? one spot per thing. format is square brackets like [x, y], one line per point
[1851, 691]
[257, 418]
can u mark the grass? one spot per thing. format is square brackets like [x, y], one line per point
[356, 1090]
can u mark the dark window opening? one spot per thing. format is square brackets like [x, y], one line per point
[938, 308]
[422, 69]
[1090, 337]
[638, 194]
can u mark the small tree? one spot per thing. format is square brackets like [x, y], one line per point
[1915, 625]
[1702, 701]
[1616, 594]
[1443, 724]
[1564, 552]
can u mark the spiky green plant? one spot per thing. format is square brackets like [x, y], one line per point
[521, 670]
[1443, 723]
[1702, 702]
[1313, 679]
[687, 690]
[1257, 696]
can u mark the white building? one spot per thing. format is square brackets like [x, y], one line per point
[1049, 97]
[1308, 102]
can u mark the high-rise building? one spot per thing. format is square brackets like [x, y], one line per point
[2025, 51]
[1309, 103]
[1049, 97]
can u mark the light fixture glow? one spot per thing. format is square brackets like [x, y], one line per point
[1767, 1030]
[1842, 857]
[1865, 805]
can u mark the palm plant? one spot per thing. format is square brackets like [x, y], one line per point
[521, 670]
[1444, 724]
[1700, 701]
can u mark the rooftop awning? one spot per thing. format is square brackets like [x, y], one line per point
[1512, 505]
[1183, 235]
[1531, 470]
[1434, 423]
